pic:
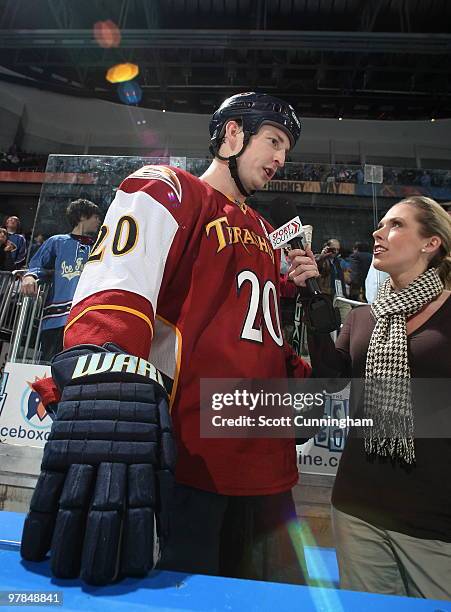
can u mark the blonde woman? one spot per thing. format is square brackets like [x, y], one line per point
[391, 502]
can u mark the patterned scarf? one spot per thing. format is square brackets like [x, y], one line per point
[388, 401]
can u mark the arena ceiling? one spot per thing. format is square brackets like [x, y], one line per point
[386, 59]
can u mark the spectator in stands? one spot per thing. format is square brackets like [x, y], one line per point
[12, 225]
[346, 267]
[425, 179]
[360, 176]
[331, 186]
[331, 268]
[13, 155]
[61, 260]
[360, 260]
[7, 249]
[38, 241]
[14, 160]
[391, 498]
[390, 176]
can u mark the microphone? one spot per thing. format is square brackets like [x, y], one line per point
[282, 212]
[320, 315]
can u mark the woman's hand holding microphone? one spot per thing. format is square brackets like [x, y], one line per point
[302, 266]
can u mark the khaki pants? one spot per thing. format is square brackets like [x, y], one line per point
[344, 310]
[390, 563]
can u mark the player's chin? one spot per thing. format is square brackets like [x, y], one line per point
[259, 184]
[258, 180]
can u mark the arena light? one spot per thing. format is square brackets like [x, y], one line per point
[107, 34]
[120, 73]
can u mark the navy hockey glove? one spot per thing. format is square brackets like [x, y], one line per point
[101, 501]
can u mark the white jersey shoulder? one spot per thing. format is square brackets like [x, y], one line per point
[161, 173]
[132, 248]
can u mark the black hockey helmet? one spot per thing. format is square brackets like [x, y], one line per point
[253, 110]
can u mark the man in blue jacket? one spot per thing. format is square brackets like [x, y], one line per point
[61, 260]
[360, 260]
[12, 225]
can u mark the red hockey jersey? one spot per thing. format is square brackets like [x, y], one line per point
[185, 277]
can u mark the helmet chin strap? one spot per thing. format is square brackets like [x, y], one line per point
[233, 167]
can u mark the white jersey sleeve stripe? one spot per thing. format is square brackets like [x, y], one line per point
[166, 349]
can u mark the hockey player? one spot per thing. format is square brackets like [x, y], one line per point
[61, 260]
[183, 275]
